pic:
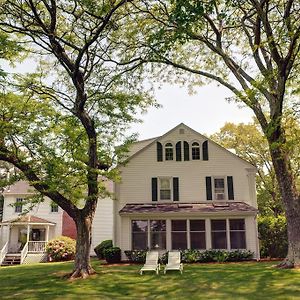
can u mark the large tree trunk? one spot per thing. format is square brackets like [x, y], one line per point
[291, 201]
[83, 266]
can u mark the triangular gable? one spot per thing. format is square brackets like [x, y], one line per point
[195, 132]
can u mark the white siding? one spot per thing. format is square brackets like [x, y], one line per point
[135, 186]
[102, 228]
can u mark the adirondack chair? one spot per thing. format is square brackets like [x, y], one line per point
[151, 263]
[174, 262]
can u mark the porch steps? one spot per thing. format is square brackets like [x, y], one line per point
[33, 258]
[11, 259]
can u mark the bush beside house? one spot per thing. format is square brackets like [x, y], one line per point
[273, 236]
[61, 249]
[99, 250]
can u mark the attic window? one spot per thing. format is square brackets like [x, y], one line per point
[181, 131]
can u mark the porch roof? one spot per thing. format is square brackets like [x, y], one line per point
[176, 208]
[31, 220]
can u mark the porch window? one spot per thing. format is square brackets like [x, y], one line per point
[179, 234]
[237, 234]
[197, 234]
[218, 234]
[139, 229]
[18, 205]
[54, 207]
[157, 234]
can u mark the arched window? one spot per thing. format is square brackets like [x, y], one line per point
[195, 151]
[169, 151]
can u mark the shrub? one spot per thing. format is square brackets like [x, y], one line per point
[61, 248]
[101, 247]
[195, 256]
[273, 236]
[112, 255]
[136, 256]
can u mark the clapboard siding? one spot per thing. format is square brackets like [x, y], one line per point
[137, 174]
[135, 186]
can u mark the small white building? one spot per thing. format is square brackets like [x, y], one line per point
[183, 191]
[24, 234]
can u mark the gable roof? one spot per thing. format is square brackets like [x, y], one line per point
[144, 146]
[18, 188]
[28, 219]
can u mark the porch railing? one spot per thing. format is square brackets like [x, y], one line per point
[36, 246]
[3, 252]
[24, 252]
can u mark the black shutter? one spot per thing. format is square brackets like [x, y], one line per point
[230, 188]
[154, 189]
[205, 150]
[159, 151]
[186, 150]
[175, 189]
[178, 151]
[208, 188]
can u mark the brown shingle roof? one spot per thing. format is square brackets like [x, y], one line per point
[28, 220]
[220, 207]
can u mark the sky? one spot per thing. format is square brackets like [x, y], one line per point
[206, 111]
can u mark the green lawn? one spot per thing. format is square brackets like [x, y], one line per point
[199, 281]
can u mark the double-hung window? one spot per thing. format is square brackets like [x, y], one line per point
[169, 151]
[165, 187]
[18, 205]
[54, 207]
[219, 188]
[195, 151]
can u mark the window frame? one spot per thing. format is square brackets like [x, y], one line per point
[220, 231]
[19, 208]
[145, 232]
[195, 147]
[197, 231]
[186, 231]
[52, 206]
[170, 147]
[159, 188]
[225, 196]
[237, 230]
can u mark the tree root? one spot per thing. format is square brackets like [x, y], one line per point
[82, 273]
[286, 264]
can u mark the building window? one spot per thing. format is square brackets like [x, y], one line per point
[165, 187]
[139, 231]
[19, 205]
[158, 234]
[54, 207]
[219, 188]
[197, 234]
[237, 234]
[179, 234]
[169, 151]
[195, 151]
[218, 234]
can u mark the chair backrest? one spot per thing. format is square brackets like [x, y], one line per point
[174, 257]
[152, 257]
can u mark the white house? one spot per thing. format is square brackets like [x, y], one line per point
[182, 190]
[23, 236]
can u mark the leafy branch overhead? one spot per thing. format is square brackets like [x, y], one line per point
[60, 125]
